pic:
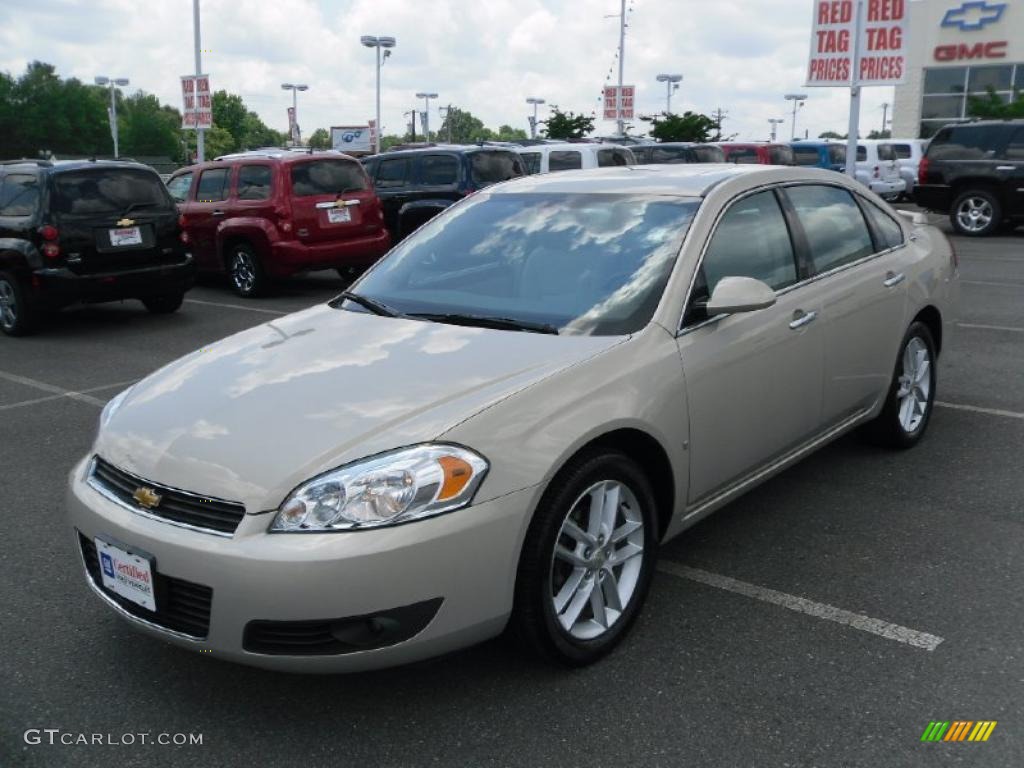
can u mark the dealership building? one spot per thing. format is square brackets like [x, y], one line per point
[957, 49]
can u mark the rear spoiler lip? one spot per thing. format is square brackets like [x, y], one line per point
[914, 217]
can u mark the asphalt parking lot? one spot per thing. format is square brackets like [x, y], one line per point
[726, 667]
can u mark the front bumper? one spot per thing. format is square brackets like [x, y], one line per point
[467, 559]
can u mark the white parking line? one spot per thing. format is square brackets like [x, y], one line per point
[50, 398]
[44, 387]
[990, 327]
[824, 611]
[992, 283]
[236, 306]
[979, 409]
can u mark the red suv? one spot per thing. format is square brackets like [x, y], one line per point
[763, 154]
[264, 215]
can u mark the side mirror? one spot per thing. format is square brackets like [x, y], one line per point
[739, 294]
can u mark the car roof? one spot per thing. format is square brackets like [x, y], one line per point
[439, 148]
[689, 180]
[60, 166]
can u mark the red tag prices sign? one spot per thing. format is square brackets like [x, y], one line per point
[858, 43]
[197, 104]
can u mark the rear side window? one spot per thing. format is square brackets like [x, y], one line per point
[902, 151]
[213, 185]
[742, 155]
[327, 177]
[254, 182]
[642, 154]
[862, 154]
[708, 154]
[565, 161]
[886, 153]
[962, 143]
[888, 229]
[609, 157]
[439, 170]
[108, 191]
[492, 167]
[806, 155]
[669, 155]
[179, 187]
[780, 156]
[393, 172]
[1015, 149]
[531, 161]
[835, 227]
[19, 195]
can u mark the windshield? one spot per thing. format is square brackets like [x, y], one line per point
[592, 264]
[109, 191]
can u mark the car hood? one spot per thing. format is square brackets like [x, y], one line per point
[250, 417]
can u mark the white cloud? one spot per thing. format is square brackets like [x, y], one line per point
[486, 56]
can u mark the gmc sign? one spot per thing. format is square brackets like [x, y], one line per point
[996, 50]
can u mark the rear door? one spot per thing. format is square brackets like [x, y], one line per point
[437, 177]
[253, 195]
[332, 199]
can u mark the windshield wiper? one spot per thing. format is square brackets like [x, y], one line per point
[377, 307]
[484, 321]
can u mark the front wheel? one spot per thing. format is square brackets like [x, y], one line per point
[976, 213]
[17, 315]
[588, 559]
[911, 396]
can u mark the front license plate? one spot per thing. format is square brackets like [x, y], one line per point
[339, 215]
[126, 236]
[127, 575]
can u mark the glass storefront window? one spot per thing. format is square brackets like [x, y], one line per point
[996, 78]
[935, 107]
[945, 80]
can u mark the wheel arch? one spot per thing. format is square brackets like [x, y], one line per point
[967, 183]
[932, 318]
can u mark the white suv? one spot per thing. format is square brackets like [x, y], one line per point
[544, 158]
[908, 154]
[878, 169]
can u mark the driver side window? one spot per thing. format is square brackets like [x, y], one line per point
[751, 240]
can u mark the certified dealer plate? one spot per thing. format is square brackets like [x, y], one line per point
[339, 215]
[127, 575]
[126, 236]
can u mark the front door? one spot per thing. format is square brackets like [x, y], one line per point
[753, 379]
[207, 210]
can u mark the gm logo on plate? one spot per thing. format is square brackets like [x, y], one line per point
[108, 565]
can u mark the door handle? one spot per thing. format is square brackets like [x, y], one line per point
[801, 318]
[892, 279]
[217, 213]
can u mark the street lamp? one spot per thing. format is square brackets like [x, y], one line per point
[370, 41]
[798, 100]
[533, 120]
[775, 121]
[671, 84]
[112, 109]
[426, 113]
[295, 88]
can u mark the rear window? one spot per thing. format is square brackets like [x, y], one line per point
[609, 157]
[108, 191]
[806, 155]
[669, 155]
[19, 195]
[492, 167]
[327, 177]
[565, 161]
[708, 154]
[743, 155]
[963, 143]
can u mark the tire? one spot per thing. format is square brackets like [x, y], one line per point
[248, 278]
[572, 633]
[164, 304]
[976, 213]
[902, 424]
[17, 314]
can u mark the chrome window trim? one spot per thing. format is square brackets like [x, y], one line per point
[97, 486]
[683, 330]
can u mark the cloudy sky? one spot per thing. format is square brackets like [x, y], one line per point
[486, 56]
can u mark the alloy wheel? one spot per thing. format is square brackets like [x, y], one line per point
[243, 271]
[595, 568]
[915, 385]
[974, 214]
[8, 305]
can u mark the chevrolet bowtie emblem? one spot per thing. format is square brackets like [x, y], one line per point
[126, 222]
[147, 497]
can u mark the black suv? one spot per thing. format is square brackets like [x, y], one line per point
[86, 231]
[415, 185]
[975, 173]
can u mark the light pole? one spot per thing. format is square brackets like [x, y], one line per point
[387, 43]
[533, 120]
[295, 88]
[671, 84]
[426, 113]
[110, 82]
[885, 115]
[798, 100]
[200, 133]
[775, 121]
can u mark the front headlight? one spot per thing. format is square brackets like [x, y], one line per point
[396, 487]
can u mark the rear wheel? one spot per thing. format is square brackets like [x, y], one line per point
[911, 397]
[246, 273]
[588, 559]
[976, 213]
[164, 304]
[17, 315]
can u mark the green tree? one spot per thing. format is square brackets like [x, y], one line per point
[218, 141]
[880, 134]
[992, 107]
[388, 141]
[567, 125]
[465, 127]
[320, 139]
[508, 133]
[146, 127]
[689, 126]
[831, 135]
[229, 113]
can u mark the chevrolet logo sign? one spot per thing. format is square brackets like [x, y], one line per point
[147, 497]
[126, 223]
[974, 15]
